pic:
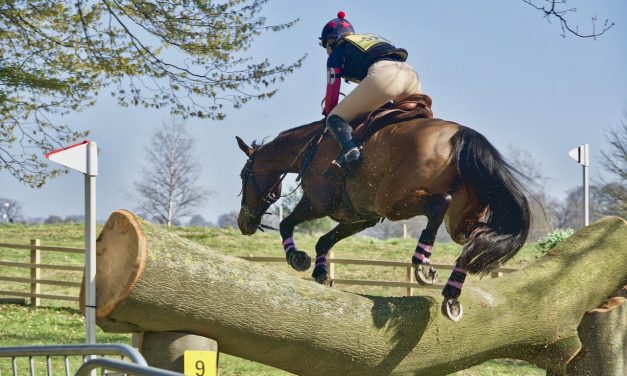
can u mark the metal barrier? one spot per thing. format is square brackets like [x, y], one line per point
[137, 367]
[123, 367]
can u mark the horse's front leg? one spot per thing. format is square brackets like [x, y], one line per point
[302, 212]
[328, 240]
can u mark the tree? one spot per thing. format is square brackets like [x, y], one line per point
[74, 218]
[610, 199]
[569, 213]
[57, 56]
[10, 211]
[554, 10]
[612, 196]
[198, 221]
[228, 219]
[53, 219]
[543, 207]
[167, 190]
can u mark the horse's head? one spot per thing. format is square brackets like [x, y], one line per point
[261, 187]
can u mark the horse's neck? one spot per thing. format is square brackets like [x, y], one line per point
[288, 147]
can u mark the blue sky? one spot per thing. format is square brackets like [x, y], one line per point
[496, 66]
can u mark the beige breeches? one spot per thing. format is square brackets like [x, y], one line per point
[386, 80]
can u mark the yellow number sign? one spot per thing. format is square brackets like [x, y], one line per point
[200, 363]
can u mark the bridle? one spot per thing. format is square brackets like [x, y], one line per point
[267, 198]
[270, 198]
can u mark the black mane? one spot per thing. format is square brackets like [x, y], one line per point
[299, 127]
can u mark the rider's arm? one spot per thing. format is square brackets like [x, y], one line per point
[333, 89]
[334, 80]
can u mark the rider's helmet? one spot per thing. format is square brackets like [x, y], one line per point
[335, 28]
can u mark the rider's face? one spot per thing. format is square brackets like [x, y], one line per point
[329, 43]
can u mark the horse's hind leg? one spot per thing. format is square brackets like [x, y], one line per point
[451, 307]
[436, 207]
[328, 240]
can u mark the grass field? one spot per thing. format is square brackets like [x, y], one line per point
[60, 322]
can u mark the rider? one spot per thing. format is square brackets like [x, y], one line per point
[381, 71]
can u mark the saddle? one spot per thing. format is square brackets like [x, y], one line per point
[415, 106]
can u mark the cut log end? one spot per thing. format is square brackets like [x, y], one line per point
[121, 254]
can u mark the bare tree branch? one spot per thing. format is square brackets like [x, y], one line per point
[553, 10]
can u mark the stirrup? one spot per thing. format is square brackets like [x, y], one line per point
[341, 168]
[335, 172]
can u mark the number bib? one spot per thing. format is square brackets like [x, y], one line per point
[365, 41]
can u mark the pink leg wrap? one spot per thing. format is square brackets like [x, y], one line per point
[424, 259]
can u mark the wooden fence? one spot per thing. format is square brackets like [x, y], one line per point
[409, 283]
[36, 281]
[36, 267]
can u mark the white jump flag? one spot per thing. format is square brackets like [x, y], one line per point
[77, 157]
[83, 157]
[582, 156]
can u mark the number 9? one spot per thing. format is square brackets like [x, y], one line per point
[200, 366]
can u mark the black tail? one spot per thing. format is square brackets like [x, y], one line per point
[504, 228]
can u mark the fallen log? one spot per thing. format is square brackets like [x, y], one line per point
[603, 333]
[151, 280]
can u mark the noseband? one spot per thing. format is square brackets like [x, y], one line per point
[267, 198]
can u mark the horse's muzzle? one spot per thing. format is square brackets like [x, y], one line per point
[246, 225]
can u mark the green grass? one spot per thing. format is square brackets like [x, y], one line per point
[61, 322]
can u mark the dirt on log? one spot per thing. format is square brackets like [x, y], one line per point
[151, 280]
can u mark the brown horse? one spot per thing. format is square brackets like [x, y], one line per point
[440, 169]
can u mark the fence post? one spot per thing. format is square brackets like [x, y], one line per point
[331, 267]
[35, 272]
[410, 279]
[496, 274]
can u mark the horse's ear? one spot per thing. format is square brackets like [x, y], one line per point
[245, 148]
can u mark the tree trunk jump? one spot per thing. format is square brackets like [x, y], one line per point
[151, 280]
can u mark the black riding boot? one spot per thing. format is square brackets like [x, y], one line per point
[350, 156]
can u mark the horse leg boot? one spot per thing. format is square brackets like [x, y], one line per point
[436, 208]
[350, 155]
[451, 307]
[302, 212]
[327, 241]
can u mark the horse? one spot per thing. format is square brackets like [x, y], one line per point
[440, 169]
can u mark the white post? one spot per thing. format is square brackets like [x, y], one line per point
[90, 245]
[83, 157]
[586, 196]
[582, 156]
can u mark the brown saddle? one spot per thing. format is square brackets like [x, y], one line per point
[414, 106]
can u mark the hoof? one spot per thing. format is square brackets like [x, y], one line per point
[426, 275]
[324, 280]
[452, 309]
[300, 261]
[321, 275]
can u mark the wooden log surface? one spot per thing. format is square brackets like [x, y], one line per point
[151, 280]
